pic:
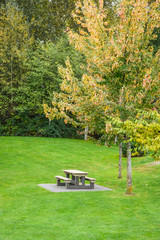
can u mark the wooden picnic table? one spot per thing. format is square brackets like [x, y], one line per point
[78, 179]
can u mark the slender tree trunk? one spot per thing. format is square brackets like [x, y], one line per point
[129, 169]
[11, 80]
[86, 133]
[115, 140]
[120, 160]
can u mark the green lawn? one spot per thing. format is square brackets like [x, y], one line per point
[29, 212]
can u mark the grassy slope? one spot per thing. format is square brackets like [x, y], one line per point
[33, 213]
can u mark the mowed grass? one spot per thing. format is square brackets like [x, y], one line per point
[29, 212]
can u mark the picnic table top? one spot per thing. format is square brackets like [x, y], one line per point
[76, 172]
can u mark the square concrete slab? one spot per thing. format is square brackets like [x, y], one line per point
[54, 188]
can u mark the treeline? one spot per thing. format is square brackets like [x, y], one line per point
[33, 43]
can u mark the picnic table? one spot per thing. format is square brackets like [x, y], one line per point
[75, 179]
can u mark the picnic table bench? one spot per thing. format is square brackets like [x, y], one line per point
[91, 180]
[65, 183]
[75, 179]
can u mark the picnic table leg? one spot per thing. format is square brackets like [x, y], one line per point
[92, 185]
[73, 178]
[77, 181]
[67, 185]
[58, 182]
[83, 180]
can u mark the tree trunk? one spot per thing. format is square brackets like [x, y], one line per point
[115, 140]
[120, 160]
[86, 133]
[11, 80]
[129, 169]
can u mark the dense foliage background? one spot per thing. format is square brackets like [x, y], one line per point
[33, 43]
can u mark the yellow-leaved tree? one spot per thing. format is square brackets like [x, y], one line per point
[15, 43]
[122, 75]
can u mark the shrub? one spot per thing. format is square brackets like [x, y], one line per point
[136, 151]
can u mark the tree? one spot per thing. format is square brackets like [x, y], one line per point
[122, 69]
[43, 77]
[14, 43]
[48, 19]
[40, 78]
[144, 129]
[125, 61]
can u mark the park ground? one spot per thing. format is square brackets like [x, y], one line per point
[29, 212]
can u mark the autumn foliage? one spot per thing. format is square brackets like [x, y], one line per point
[121, 79]
[122, 75]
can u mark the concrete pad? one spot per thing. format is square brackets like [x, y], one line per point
[54, 188]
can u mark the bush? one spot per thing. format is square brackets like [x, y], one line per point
[136, 151]
[37, 126]
[58, 129]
